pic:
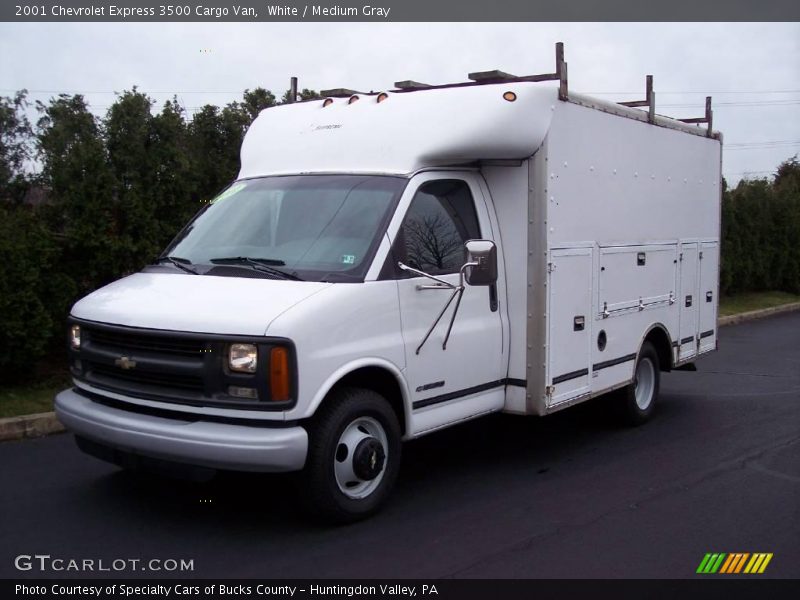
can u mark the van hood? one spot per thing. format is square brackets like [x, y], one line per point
[199, 304]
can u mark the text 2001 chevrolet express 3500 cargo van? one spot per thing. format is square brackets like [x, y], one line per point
[390, 264]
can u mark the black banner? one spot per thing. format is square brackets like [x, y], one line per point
[398, 10]
[449, 589]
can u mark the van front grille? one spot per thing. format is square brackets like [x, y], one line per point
[149, 342]
[173, 367]
[116, 376]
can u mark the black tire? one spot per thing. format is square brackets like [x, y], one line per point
[646, 379]
[327, 493]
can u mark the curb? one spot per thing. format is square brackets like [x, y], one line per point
[757, 314]
[29, 426]
[41, 424]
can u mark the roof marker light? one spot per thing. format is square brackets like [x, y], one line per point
[510, 96]
[352, 99]
[382, 96]
[327, 102]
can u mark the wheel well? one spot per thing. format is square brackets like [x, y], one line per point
[660, 340]
[380, 381]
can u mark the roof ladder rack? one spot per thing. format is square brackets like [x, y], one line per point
[408, 84]
[497, 76]
[491, 76]
[292, 91]
[338, 93]
[561, 72]
[709, 118]
[560, 75]
[500, 77]
[650, 101]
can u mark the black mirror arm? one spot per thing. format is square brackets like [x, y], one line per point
[458, 291]
[462, 271]
[443, 284]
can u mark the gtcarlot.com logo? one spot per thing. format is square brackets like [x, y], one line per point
[46, 562]
[734, 563]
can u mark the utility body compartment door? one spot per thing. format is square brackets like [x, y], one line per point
[688, 300]
[709, 268]
[569, 309]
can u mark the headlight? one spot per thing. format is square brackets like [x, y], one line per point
[75, 337]
[243, 358]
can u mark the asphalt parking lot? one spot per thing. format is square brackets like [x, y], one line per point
[572, 495]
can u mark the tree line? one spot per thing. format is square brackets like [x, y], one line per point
[761, 233]
[109, 194]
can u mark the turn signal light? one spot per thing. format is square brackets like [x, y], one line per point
[352, 99]
[382, 96]
[510, 96]
[327, 102]
[279, 377]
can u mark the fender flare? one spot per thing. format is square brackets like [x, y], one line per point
[652, 327]
[350, 367]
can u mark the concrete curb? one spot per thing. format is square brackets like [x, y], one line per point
[29, 426]
[41, 424]
[757, 314]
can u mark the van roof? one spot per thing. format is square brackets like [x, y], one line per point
[401, 134]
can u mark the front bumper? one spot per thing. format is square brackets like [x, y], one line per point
[202, 443]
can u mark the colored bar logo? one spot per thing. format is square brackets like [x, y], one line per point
[734, 563]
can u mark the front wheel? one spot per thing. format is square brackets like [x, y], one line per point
[636, 401]
[353, 456]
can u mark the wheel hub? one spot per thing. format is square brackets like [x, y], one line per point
[359, 462]
[369, 458]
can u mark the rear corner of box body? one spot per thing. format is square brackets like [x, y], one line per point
[536, 315]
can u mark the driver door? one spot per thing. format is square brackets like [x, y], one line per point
[440, 212]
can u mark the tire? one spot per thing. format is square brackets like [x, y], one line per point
[353, 456]
[636, 402]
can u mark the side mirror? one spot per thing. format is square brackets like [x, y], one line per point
[482, 254]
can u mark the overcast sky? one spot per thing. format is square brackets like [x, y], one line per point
[752, 70]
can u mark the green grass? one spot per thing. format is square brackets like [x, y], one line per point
[733, 305]
[26, 399]
[31, 398]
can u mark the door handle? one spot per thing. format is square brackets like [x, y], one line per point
[433, 286]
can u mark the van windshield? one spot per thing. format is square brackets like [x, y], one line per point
[316, 227]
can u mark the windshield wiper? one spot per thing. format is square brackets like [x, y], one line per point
[179, 262]
[259, 264]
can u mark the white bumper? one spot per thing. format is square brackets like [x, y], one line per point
[202, 443]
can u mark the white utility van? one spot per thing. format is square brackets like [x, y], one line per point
[390, 264]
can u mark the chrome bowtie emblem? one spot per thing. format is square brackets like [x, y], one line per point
[123, 362]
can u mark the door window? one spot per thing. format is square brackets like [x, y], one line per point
[440, 219]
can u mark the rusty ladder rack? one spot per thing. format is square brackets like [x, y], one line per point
[560, 75]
